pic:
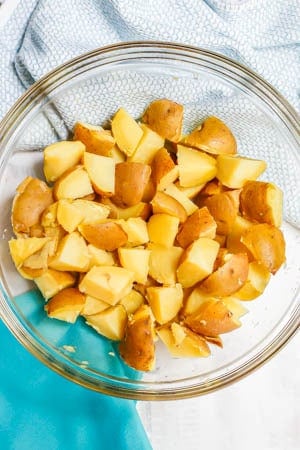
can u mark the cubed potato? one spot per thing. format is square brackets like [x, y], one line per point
[39, 260]
[189, 206]
[137, 261]
[136, 230]
[91, 211]
[162, 229]
[106, 235]
[66, 305]
[74, 183]
[95, 138]
[93, 306]
[262, 202]
[164, 170]
[32, 198]
[228, 278]
[72, 254]
[164, 203]
[53, 281]
[138, 347]
[212, 136]
[132, 301]
[131, 179]
[60, 157]
[55, 234]
[117, 155]
[195, 167]
[197, 261]
[165, 302]
[200, 224]
[142, 210]
[68, 216]
[191, 191]
[108, 283]
[165, 117]
[235, 171]
[110, 323]
[191, 345]
[194, 301]
[212, 318]
[126, 131]
[224, 210]
[101, 171]
[21, 248]
[257, 281]
[233, 240]
[100, 257]
[49, 216]
[149, 144]
[266, 244]
[235, 306]
[163, 263]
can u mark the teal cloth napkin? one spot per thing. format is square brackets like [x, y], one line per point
[39, 409]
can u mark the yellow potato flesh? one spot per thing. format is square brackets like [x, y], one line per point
[165, 302]
[111, 322]
[195, 167]
[126, 132]
[60, 157]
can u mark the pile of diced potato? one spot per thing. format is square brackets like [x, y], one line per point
[147, 234]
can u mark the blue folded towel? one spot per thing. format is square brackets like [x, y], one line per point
[38, 408]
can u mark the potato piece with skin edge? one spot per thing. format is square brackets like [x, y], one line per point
[131, 179]
[93, 306]
[197, 261]
[32, 198]
[189, 206]
[262, 202]
[68, 216]
[224, 210]
[132, 301]
[142, 210]
[126, 131]
[74, 183]
[49, 216]
[235, 171]
[191, 191]
[164, 170]
[95, 138]
[60, 157]
[193, 301]
[228, 278]
[21, 248]
[195, 167]
[106, 235]
[233, 239]
[257, 281]
[149, 144]
[100, 257]
[108, 283]
[66, 305]
[165, 302]
[165, 117]
[138, 347]
[200, 224]
[110, 323]
[101, 171]
[163, 263]
[72, 254]
[136, 230]
[266, 244]
[164, 203]
[192, 345]
[212, 136]
[212, 318]
[91, 211]
[53, 281]
[137, 261]
[162, 229]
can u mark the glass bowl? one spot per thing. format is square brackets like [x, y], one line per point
[91, 88]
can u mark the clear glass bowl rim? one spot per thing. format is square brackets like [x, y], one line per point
[125, 52]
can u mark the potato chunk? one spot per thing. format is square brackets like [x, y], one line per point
[224, 210]
[164, 170]
[66, 305]
[60, 157]
[163, 263]
[138, 347]
[165, 117]
[235, 171]
[131, 179]
[21, 249]
[200, 224]
[165, 302]
[111, 322]
[105, 235]
[164, 203]
[72, 254]
[126, 131]
[108, 283]
[95, 138]
[191, 345]
[257, 281]
[195, 167]
[53, 281]
[162, 229]
[137, 261]
[101, 171]
[32, 198]
[262, 202]
[74, 183]
[149, 144]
